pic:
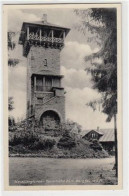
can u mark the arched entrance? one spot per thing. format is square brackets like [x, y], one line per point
[50, 120]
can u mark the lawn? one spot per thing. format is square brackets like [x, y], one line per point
[50, 171]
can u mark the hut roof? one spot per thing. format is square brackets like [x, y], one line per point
[108, 135]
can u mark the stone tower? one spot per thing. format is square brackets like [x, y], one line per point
[42, 43]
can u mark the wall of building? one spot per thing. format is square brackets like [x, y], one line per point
[92, 135]
[36, 58]
[56, 104]
[109, 147]
[46, 96]
[39, 54]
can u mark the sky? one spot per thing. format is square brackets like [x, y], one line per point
[77, 82]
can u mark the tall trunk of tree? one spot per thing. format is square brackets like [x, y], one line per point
[116, 149]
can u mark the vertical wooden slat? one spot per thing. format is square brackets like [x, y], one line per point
[43, 83]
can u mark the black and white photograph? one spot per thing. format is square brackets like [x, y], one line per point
[63, 92]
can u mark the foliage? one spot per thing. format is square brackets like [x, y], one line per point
[11, 43]
[13, 62]
[11, 121]
[66, 141]
[101, 23]
[69, 126]
[43, 144]
[24, 138]
[32, 141]
[96, 145]
[10, 103]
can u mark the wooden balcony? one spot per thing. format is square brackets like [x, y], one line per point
[36, 37]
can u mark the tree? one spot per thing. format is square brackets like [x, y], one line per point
[11, 120]
[69, 126]
[12, 44]
[10, 103]
[12, 61]
[102, 25]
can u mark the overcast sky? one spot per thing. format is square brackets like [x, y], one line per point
[77, 82]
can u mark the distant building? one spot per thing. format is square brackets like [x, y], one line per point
[92, 135]
[104, 136]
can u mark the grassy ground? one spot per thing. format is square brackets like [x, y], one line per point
[46, 171]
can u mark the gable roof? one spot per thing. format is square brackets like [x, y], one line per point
[85, 132]
[44, 24]
[108, 135]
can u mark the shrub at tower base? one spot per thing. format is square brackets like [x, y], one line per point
[30, 144]
[66, 141]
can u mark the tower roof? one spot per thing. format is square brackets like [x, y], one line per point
[44, 24]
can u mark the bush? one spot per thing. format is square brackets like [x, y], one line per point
[29, 138]
[66, 141]
[23, 138]
[43, 144]
[32, 141]
[96, 145]
[14, 141]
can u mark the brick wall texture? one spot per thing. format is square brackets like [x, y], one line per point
[56, 104]
[39, 55]
[36, 61]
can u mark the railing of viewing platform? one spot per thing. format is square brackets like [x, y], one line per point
[33, 36]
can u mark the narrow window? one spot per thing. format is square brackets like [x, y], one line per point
[45, 62]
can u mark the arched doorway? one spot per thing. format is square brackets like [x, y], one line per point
[50, 120]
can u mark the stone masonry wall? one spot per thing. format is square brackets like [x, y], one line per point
[36, 58]
[40, 54]
[45, 96]
[56, 104]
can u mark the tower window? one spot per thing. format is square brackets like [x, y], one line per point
[45, 62]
